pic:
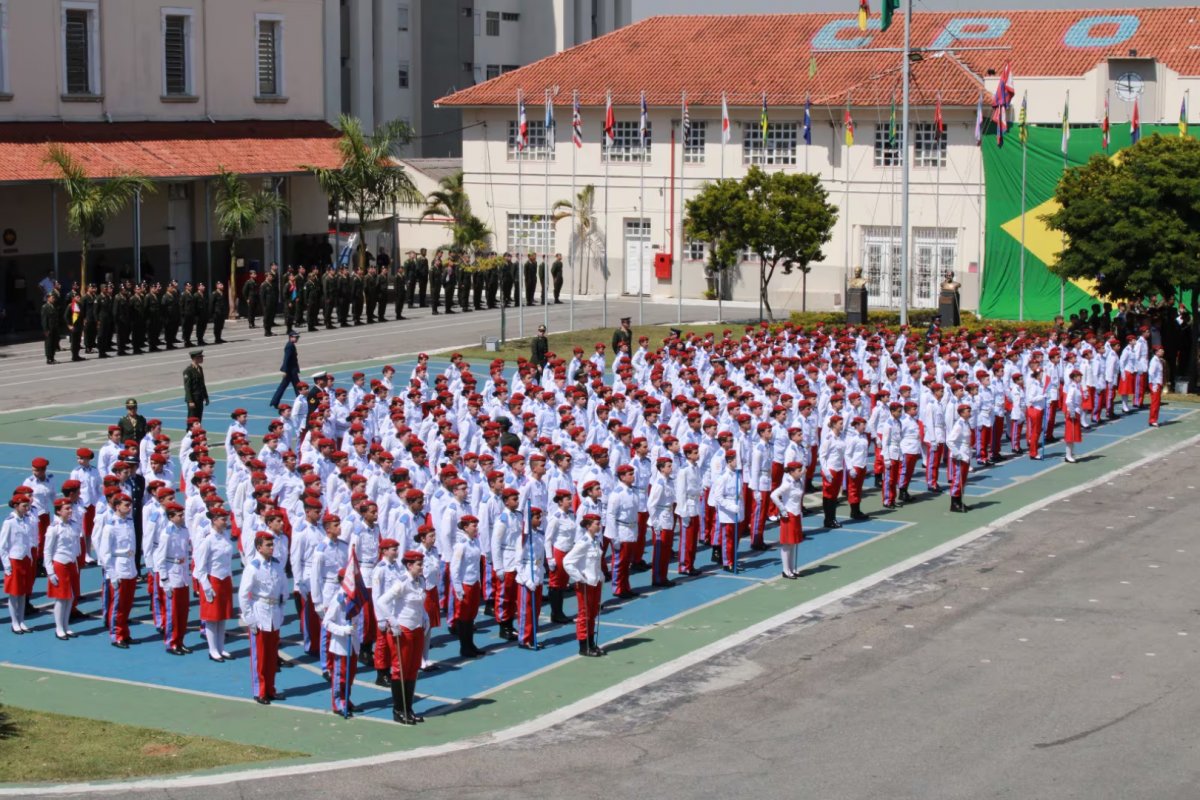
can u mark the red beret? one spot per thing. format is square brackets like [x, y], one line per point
[70, 485]
[40, 463]
[83, 452]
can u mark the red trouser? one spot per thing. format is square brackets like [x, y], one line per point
[958, 476]
[879, 465]
[1051, 417]
[664, 543]
[854, 484]
[1156, 390]
[506, 596]
[341, 679]
[748, 504]
[985, 443]
[264, 660]
[89, 522]
[891, 481]
[1139, 391]
[776, 479]
[119, 608]
[933, 463]
[588, 598]
[729, 541]
[558, 578]
[908, 468]
[997, 435]
[385, 651]
[831, 488]
[411, 650]
[811, 469]
[43, 526]
[1016, 432]
[687, 544]
[529, 606]
[643, 524]
[759, 508]
[466, 607]
[370, 626]
[175, 615]
[310, 623]
[622, 559]
[1033, 426]
[709, 526]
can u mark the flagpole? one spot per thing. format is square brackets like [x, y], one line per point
[1062, 282]
[574, 200]
[682, 214]
[520, 215]
[849, 227]
[1024, 162]
[606, 154]
[643, 135]
[544, 268]
[904, 167]
[721, 267]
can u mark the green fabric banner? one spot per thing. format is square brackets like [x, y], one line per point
[1001, 290]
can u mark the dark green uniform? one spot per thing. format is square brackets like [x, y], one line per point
[621, 335]
[195, 393]
[356, 295]
[137, 319]
[200, 299]
[250, 299]
[104, 317]
[312, 297]
[556, 278]
[371, 292]
[50, 323]
[401, 284]
[541, 346]
[218, 313]
[121, 316]
[171, 314]
[269, 301]
[344, 295]
[152, 308]
[187, 313]
[91, 324]
[132, 427]
[329, 296]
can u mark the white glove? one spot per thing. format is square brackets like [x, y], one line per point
[53, 579]
[551, 565]
[209, 597]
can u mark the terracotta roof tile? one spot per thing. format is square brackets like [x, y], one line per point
[746, 55]
[167, 149]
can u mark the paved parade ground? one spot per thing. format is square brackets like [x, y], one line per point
[667, 635]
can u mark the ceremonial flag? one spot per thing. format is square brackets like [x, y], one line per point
[522, 125]
[979, 120]
[1023, 119]
[1135, 125]
[576, 123]
[864, 11]
[549, 118]
[1066, 124]
[724, 120]
[762, 119]
[610, 124]
[889, 8]
[807, 121]
[644, 123]
[686, 125]
[812, 66]
[1183, 122]
[939, 123]
[1000, 101]
[1105, 126]
[352, 583]
[891, 133]
[848, 121]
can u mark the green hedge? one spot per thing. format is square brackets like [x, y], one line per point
[919, 318]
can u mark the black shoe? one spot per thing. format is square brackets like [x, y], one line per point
[561, 619]
[382, 678]
[60, 637]
[640, 566]
[278, 696]
[664, 584]
[716, 555]
[187, 650]
[353, 709]
[218, 659]
[124, 645]
[325, 675]
[626, 596]
[78, 358]
[262, 701]
[176, 651]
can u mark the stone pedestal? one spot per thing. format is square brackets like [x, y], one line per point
[948, 309]
[856, 306]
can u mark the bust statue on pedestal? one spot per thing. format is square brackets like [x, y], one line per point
[856, 298]
[948, 301]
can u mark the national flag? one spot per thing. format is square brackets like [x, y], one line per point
[891, 131]
[576, 122]
[848, 121]
[889, 8]
[812, 66]
[864, 11]
[724, 120]
[979, 120]
[807, 121]
[1135, 125]
[522, 125]
[1183, 121]
[1105, 125]
[352, 583]
[644, 123]
[686, 124]
[549, 121]
[762, 119]
[610, 123]
[939, 122]
[1000, 102]
[1066, 124]
[1023, 119]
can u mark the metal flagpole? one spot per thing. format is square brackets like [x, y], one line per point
[721, 267]
[574, 201]
[1062, 282]
[644, 135]
[544, 267]
[904, 166]
[522, 143]
[606, 154]
[684, 124]
[1024, 164]
[846, 140]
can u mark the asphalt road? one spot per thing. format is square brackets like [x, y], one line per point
[1056, 658]
[30, 382]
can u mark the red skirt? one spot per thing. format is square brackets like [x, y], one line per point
[1125, 385]
[433, 607]
[66, 574]
[221, 607]
[1072, 430]
[791, 531]
[20, 582]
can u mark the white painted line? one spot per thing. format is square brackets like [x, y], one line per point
[604, 696]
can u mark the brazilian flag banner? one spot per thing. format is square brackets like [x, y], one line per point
[1000, 293]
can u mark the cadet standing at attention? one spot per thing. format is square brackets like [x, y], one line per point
[195, 393]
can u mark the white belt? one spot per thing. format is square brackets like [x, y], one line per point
[176, 560]
[123, 554]
[271, 601]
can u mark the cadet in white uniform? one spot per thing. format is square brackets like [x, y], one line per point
[261, 595]
[583, 566]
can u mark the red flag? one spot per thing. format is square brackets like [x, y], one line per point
[939, 124]
[352, 581]
[610, 122]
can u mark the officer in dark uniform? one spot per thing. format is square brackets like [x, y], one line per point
[410, 278]
[422, 275]
[540, 348]
[345, 291]
[137, 318]
[401, 286]
[493, 284]
[91, 323]
[479, 283]
[437, 275]
[50, 321]
[329, 295]
[187, 312]
[133, 425]
[268, 299]
[195, 392]
[531, 275]
[219, 311]
[384, 264]
[200, 298]
[463, 282]
[357, 294]
[449, 282]
[152, 308]
[371, 293]
[172, 312]
[312, 298]
[121, 316]
[556, 277]
[623, 334]
[506, 279]
[250, 297]
[74, 320]
[105, 319]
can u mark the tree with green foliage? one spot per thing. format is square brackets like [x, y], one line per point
[369, 178]
[585, 228]
[784, 219]
[238, 210]
[91, 203]
[469, 235]
[1133, 224]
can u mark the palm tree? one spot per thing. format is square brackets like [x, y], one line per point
[91, 203]
[239, 210]
[584, 225]
[468, 233]
[369, 178]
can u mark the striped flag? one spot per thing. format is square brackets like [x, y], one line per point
[644, 123]
[549, 121]
[1183, 122]
[1135, 125]
[979, 120]
[1066, 123]
[686, 124]
[522, 125]
[1000, 102]
[724, 120]
[848, 121]
[762, 119]
[807, 121]
[576, 122]
[1106, 125]
[610, 123]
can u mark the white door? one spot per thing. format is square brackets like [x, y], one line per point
[934, 254]
[179, 232]
[881, 266]
[639, 258]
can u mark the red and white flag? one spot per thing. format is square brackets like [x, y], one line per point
[610, 122]
[576, 122]
[522, 124]
[724, 120]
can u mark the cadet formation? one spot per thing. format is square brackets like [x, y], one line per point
[129, 318]
[382, 511]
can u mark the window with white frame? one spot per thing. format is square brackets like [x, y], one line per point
[4, 87]
[529, 233]
[747, 254]
[693, 145]
[402, 16]
[177, 52]
[81, 48]
[778, 148]
[627, 142]
[694, 250]
[403, 74]
[929, 146]
[492, 26]
[269, 52]
[538, 148]
[887, 146]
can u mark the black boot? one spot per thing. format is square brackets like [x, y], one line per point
[400, 705]
[382, 678]
[856, 511]
[410, 693]
[584, 650]
[595, 649]
[905, 497]
[830, 507]
[556, 607]
[716, 554]
[878, 480]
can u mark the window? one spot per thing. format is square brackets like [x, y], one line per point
[779, 147]
[177, 54]
[693, 148]
[929, 148]
[4, 88]
[747, 254]
[403, 74]
[508, 68]
[694, 250]
[538, 148]
[402, 16]
[270, 56]
[627, 143]
[468, 66]
[529, 233]
[887, 148]
[509, 16]
[493, 71]
[81, 48]
[492, 27]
